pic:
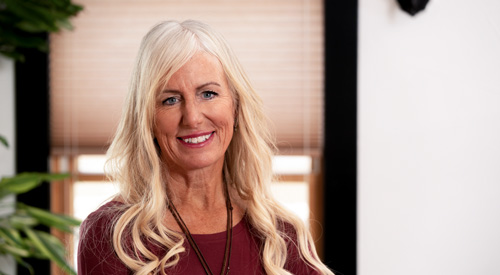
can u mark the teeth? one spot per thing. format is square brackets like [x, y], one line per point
[197, 140]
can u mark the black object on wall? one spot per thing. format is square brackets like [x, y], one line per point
[413, 6]
[340, 149]
[32, 134]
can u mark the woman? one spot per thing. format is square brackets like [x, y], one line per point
[193, 159]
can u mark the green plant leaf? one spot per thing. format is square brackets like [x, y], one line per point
[4, 141]
[14, 55]
[31, 26]
[64, 23]
[50, 247]
[20, 261]
[34, 12]
[11, 236]
[13, 39]
[17, 185]
[35, 253]
[14, 250]
[61, 222]
[25, 20]
[24, 182]
[20, 220]
[39, 244]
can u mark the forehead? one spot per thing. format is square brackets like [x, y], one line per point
[200, 68]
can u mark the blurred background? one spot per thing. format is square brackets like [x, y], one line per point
[388, 124]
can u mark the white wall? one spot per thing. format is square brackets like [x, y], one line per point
[7, 160]
[429, 138]
[7, 115]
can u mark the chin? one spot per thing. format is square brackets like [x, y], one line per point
[197, 164]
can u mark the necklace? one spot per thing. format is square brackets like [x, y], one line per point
[229, 236]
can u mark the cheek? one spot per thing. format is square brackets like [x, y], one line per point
[226, 122]
[164, 124]
[227, 112]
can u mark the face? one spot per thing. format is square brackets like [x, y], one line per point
[195, 116]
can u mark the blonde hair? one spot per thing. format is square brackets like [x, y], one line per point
[134, 160]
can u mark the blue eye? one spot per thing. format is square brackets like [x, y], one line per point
[170, 101]
[208, 94]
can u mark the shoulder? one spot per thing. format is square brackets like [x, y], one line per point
[104, 212]
[95, 248]
[295, 260]
[99, 222]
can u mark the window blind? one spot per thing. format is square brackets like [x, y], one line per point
[279, 43]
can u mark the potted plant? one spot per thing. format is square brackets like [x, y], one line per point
[23, 26]
[19, 223]
[23, 23]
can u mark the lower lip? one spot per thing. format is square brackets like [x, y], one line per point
[197, 145]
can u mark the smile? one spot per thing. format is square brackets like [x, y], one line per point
[196, 140]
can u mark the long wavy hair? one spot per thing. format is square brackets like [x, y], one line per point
[134, 160]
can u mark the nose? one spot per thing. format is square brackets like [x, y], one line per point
[191, 114]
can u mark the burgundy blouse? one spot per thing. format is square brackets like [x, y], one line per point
[96, 254]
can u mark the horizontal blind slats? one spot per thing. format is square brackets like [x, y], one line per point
[279, 43]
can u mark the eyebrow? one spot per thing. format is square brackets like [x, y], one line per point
[197, 88]
[207, 84]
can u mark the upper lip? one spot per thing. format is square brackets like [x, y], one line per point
[195, 135]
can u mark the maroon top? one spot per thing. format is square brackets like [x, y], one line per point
[96, 254]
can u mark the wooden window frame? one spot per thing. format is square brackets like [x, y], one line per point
[62, 198]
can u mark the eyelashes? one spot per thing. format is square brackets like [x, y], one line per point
[205, 95]
[209, 94]
[170, 101]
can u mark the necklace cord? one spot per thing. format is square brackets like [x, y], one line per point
[229, 237]
[192, 242]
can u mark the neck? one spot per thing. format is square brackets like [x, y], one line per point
[192, 242]
[197, 190]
